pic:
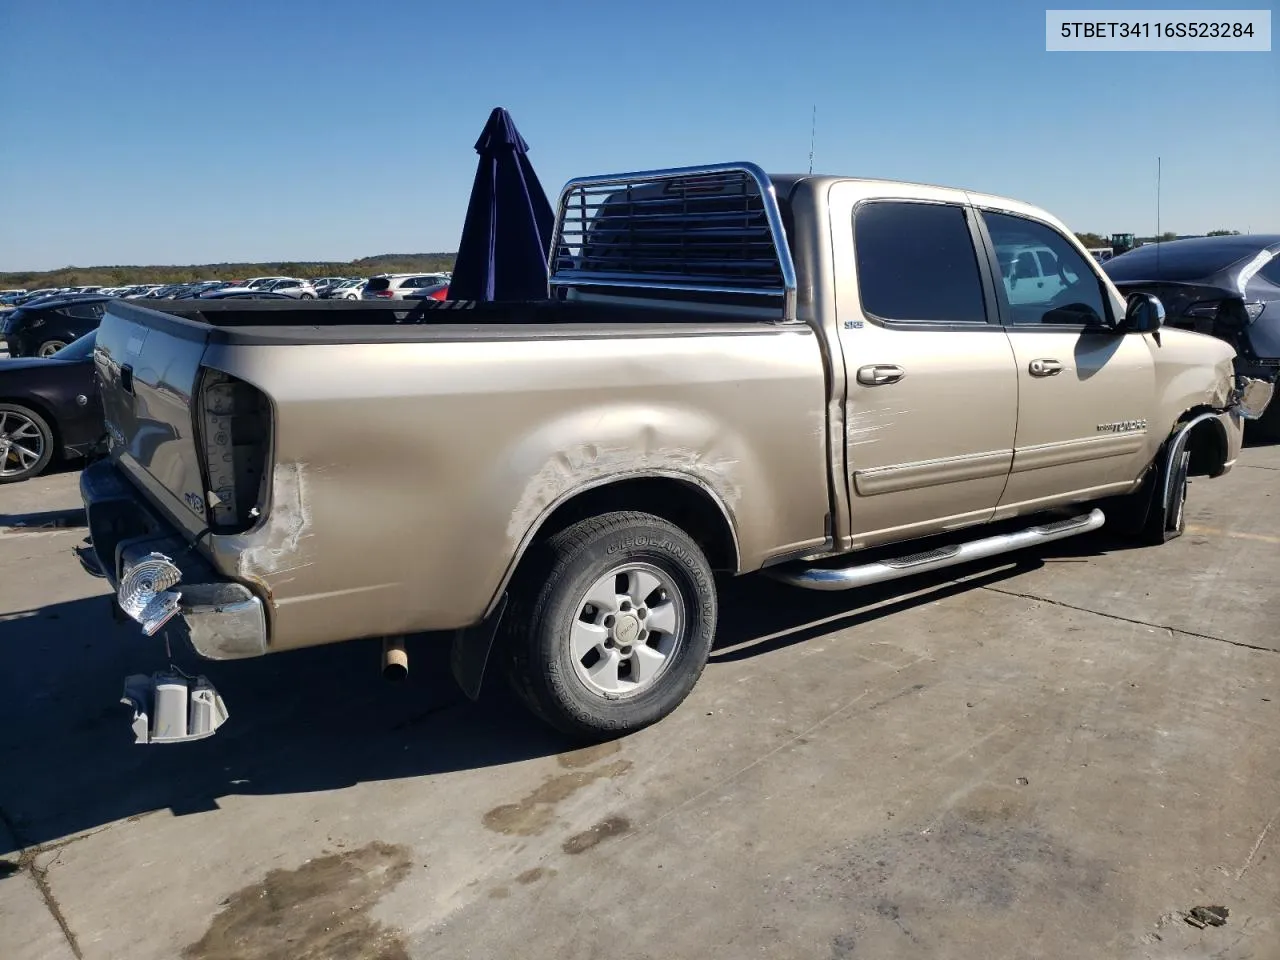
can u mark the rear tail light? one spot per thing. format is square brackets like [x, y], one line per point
[384, 293]
[235, 422]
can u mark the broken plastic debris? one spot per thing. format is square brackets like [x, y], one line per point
[1207, 916]
[172, 708]
[144, 592]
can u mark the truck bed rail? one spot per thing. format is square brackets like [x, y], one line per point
[711, 229]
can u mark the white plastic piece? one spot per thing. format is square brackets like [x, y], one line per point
[172, 708]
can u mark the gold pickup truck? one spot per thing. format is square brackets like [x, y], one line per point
[834, 380]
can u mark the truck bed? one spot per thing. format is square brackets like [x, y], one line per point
[279, 322]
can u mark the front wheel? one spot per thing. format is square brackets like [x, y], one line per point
[1145, 516]
[611, 625]
[26, 443]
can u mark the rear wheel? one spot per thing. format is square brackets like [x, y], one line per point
[306, 296]
[50, 347]
[26, 443]
[612, 625]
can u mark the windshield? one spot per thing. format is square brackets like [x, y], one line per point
[78, 349]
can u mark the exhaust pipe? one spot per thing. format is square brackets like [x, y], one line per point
[395, 659]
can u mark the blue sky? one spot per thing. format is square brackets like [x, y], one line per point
[157, 131]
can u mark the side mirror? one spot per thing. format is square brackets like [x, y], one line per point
[1143, 313]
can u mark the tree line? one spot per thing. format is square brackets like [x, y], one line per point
[1098, 240]
[118, 276]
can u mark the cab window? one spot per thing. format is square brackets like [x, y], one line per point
[916, 263]
[1063, 291]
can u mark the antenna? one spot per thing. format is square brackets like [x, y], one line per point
[813, 131]
[1159, 235]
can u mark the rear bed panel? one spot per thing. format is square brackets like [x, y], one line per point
[149, 370]
[408, 463]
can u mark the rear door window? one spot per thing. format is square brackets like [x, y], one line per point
[916, 263]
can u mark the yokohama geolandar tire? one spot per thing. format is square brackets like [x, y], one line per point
[611, 625]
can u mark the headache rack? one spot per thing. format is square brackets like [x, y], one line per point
[713, 229]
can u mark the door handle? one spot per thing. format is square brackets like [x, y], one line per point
[126, 378]
[876, 374]
[1044, 368]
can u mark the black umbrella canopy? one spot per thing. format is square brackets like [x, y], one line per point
[507, 234]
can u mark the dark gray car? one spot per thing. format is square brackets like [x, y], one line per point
[1225, 286]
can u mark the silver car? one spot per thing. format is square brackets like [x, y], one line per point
[395, 286]
[346, 290]
[291, 287]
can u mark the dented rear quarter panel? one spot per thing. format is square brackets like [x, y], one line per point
[407, 476]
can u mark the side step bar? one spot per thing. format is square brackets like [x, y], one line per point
[849, 578]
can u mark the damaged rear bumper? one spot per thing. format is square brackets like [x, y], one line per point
[221, 618]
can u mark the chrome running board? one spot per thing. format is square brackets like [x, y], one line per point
[848, 578]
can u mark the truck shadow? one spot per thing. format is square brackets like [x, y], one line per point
[315, 720]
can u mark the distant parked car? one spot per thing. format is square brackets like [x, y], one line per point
[324, 284]
[198, 289]
[50, 410]
[395, 286]
[254, 283]
[34, 295]
[346, 290]
[241, 293]
[42, 328]
[291, 287]
[164, 292]
[1225, 286]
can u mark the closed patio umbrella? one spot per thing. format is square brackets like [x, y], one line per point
[507, 233]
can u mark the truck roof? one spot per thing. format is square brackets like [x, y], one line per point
[784, 183]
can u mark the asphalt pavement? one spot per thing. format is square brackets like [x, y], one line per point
[1063, 754]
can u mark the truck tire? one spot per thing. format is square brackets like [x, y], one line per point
[26, 443]
[1144, 517]
[611, 626]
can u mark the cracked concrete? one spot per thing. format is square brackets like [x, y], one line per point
[1056, 753]
[1140, 623]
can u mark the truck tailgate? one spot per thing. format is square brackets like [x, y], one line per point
[149, 364]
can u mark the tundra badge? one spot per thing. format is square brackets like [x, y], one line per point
[1122, 426]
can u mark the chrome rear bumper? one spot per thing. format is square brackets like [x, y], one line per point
[223, 619]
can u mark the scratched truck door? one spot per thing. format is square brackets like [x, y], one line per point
[1086, 391]
[932, 396]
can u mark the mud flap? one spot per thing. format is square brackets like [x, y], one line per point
[173, 708]
[470, 651]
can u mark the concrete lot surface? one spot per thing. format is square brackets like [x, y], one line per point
[1055, 756]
